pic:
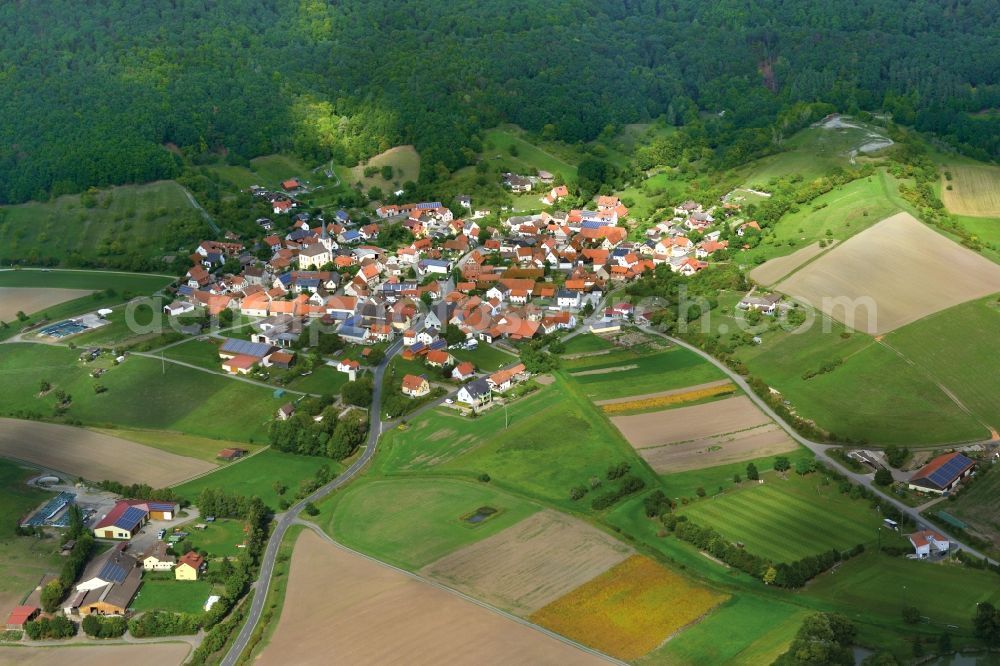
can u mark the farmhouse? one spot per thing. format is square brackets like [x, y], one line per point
[942, 474]
[463, 371]
[766, 303]
[21, 615]
[107, 586]
[190, 566]
[156, 558]
[415, 386]
[439, 358]
[128, 516]
[929, 543]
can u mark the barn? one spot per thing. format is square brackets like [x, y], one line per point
[122, 522]
[942, 474]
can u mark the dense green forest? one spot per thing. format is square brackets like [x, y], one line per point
[110, 91]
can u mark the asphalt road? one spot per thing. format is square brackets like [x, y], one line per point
[287, 519]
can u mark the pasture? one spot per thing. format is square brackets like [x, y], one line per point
[34, 299]
[97, 654]
[412, 522]
[745, 630]
[969, 369]
[531, 564]
[974, 189]
[629, 610]
[626, 374]
[132, 219]
[381, 615]
[220, 538]
[405, 163]
[94, 456]
[177, 596]
[895, 273]
[257, 476]
[787, 519]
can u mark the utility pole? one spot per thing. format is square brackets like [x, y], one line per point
[505, 421]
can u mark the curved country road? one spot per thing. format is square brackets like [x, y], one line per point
[820, 450]
[288, 518]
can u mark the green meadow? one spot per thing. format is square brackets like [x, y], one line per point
[615, 376]
[177, 596]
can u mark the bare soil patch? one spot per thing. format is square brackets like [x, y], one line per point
[605, 371]
[774, 269]
[662, 394]
[93, 455]
[341, 607]
[34, 299]
[891, 274]
[545, 380]
[767, 440]
[530, 564]
[685, 424]
[975, 190]
[147, 654]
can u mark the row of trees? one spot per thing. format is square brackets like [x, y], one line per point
[332, 437]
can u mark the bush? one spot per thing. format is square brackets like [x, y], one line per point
[104, 627]
[911, 615]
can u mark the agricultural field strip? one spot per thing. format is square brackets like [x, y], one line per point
[975, 190]
[663, 394]
[773, 270]
[713, 452]
[34, 299]
[683, 424]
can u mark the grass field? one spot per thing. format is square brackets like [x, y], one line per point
[219, 539]
[485, 357]
[786, 520]
[971, 369]
[323, 380]
[745, 630]
[975, 189]
[671, 369]
[629, 610]
[256, 476]
[192, 446]
[178, 596]
[586, 342]
[141, 393]
[412, 522]
[203, 353]
[720, 477]
[497, 142]
[405, 163]
[130, 218]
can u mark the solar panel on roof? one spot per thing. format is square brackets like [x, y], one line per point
[161, 506]
[113, 571]
[245, 347]
[130, 518]
[948, 471]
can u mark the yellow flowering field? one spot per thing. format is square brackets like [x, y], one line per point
[628, 610]
[663, 400]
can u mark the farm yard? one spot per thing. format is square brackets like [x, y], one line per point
[148, 654]
[703, 435]
[94, 456]
[892, 274]
[630, 609]
[412, 522]
[786, 519]
[382, 615]
[530, 564]
[971, 189]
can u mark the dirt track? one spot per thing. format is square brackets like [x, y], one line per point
[34, 299]
[148, 654]
[343, 608]
[902, 268]
[94, 456]
[690, 423]
[530, 564]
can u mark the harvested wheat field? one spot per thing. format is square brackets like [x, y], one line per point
[684, 424]
[531, 563]
[34, 299]
[147, 654]
[892, 274]
[773, 270]
[94, 456]
[759, 442]
[341, 607]
[975, 190]
[629, 610]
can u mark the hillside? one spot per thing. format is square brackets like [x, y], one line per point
[349, 80]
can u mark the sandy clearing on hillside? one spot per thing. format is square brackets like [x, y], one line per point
[663, 394]
[685, 424]
[94, 456]
[343, 608]
[774, 269]
[975, 190]
[767, 440]
[605, 371]
[530, 564]
[891, 274]
[147, 654]
[34, 299]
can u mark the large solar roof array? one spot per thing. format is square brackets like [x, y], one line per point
[245, 347]
[947, 472]
[130, 518]
[113, 571]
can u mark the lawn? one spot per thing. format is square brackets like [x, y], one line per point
[675, 368]
[485, 357]
[132, 219]
[193, 446]
[969, 369]
[586, 342]
[720, 478]
[257, 476]
[786, 520]
[877, 588]
[323, 380]
[745, 630]
[552, 442]
[219, 539]
[178, 596]
[203, 353]
[141, 393]
[413, 522]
